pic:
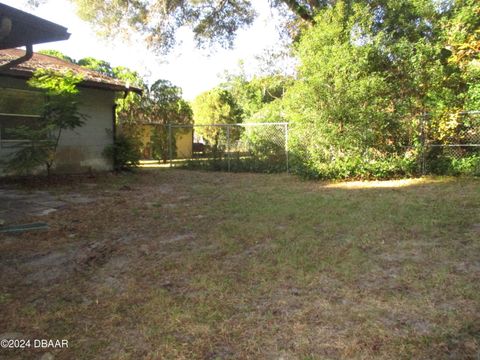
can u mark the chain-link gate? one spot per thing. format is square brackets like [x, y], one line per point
[258, 147]
[449, 139]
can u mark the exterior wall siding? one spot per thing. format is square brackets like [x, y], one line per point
[183, 140]
[79, 150]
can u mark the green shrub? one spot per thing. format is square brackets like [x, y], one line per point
[355, 167]
[124, 152]
[239, 163]
[160, 146]
[467, 166]
[447, 165]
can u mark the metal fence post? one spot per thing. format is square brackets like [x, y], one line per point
[170, 150]
[286, 146]
[423, 144]
[228, 146]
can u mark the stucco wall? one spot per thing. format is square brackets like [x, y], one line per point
[80, 150]
[183, 140]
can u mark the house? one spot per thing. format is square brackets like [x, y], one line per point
[79, 150]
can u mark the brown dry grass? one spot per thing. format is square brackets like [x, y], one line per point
[195, 265]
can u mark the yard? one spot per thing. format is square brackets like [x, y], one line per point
[176, 264]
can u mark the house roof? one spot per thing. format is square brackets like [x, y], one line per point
[18, 28]
[91, 78]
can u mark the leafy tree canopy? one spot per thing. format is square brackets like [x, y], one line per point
[161, 103]
[463, 39]
[218, 21]
[252, 95]
[212, 21]
[217, 106]
[57, 54]
[101, 66]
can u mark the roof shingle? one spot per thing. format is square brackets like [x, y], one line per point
[91, 78]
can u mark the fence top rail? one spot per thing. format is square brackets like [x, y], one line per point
[453, 145]
[21, 115]
[228, 125]
[469, 112]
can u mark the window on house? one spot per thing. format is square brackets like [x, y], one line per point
[18, 108]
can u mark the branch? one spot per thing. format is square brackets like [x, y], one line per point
[300, 10]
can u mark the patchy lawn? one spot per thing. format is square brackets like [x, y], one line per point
[172, 264]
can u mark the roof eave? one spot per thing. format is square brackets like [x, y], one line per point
[86, 83]
[27, 29]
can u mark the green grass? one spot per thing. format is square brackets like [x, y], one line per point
[243, 266]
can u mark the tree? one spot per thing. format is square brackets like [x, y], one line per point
[59, 113]
[160, 104]
[216, 106]
[212, 21]
[366, 69]
[462, 37]
[57, 54]
[101, 66]
[252, 95]
[337, 97]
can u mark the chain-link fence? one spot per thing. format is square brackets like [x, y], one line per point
[259, 147]
[444, 144]
[451, 140]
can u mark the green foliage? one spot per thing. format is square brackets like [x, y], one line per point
[366, 72]
[167, 104]
[216, 106]
[98, 65]
[261, 100]
[158, 20]
[59, 113]
[130, 77]
[124, 152]
[32, 152]
[56, 85]
[57, 54]
[340, 107]
[252, 95]
[440, 164]
[160, 143]
[161, 103]
[466, 166]
[212, 21]
[462, 33]
[355, 167]
[250, 164]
